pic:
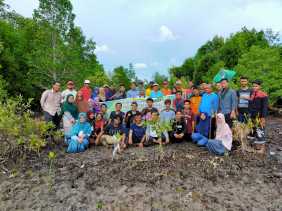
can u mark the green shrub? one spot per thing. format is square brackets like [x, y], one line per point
[20, 133]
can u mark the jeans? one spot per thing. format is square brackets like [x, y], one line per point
[199, 139]
[212, 145]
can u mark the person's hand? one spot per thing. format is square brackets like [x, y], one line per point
[262, 122]
[141, 145]
[233, 115]
[203, 116]
[80, 139]
[181, 135]
[130, 142]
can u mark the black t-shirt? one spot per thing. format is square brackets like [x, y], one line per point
[179, 127]
[111, 130]
[120, 114]
[243, 104]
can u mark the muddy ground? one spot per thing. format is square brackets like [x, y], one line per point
[186, 178]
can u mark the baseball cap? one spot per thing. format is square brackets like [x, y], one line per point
[87, 82]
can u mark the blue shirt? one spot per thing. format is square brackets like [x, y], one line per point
[157, 94]
[132, 93]
[167, 116]
[227, 101]
[209, 104]
[137, 131]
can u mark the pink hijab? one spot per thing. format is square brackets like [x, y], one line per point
[223, 131]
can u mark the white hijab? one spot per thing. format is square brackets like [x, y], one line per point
[223, 131]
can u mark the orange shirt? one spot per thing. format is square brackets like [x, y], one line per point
[195, 104]
[166, 92]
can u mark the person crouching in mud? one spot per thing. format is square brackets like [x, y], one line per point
[223, 140]
[111, 131]
[152, 136]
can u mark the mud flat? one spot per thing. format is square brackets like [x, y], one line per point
[182, 177]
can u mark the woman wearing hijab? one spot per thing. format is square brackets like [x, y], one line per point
[80, 134]
[82, 105]
[223, 140]
[69, 112]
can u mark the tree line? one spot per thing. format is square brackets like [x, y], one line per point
[251, 53]
[50, 47]
[34, 52]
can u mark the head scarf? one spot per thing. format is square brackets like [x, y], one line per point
[84, 127]
[223, 131]
[82, 105]
[69, 107]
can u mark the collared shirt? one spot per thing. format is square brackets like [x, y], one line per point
[50, 101]
[227, 101]
[209, 104]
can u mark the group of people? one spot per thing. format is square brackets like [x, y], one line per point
[203, 114]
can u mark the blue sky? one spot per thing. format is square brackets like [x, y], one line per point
[157, 34]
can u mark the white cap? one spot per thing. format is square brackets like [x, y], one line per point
[87, 82]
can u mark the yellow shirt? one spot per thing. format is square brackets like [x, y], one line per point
[148, 92]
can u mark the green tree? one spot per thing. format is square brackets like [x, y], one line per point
[99, 79]
[120, 77]
[159, 78]
[264, 64]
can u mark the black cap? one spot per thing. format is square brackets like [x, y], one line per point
[257, 81]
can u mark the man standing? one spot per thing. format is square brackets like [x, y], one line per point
[227, 102]
[207, 111]
[156, 93]
[258, 111]
[149, 88]
[133, 92]
[243, 94]
[166, 90]
[50, 104]
[86, 90]
[69, 91]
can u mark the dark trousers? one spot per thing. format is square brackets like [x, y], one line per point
[54, 119]
[243, 117]
[228, 120]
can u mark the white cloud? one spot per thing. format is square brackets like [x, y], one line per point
[103, 49]
[140, 65]
[166, 34]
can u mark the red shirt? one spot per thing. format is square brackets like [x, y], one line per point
[99, 124]
[86, 92]
[189, 119]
